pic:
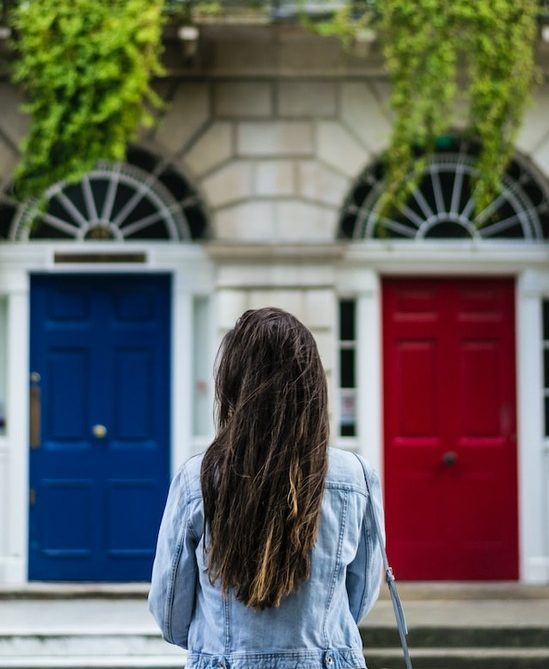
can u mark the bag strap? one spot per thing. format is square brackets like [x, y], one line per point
[389, 576]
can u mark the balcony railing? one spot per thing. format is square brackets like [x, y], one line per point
[269, 10]
[266, 9]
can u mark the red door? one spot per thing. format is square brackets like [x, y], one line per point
[450, 428]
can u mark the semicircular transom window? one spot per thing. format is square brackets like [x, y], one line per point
[442, 205]
[143, 198]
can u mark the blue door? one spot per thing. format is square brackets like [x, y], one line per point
[100, 419]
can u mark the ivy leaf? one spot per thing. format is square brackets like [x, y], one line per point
[86, 68]
[429, 45]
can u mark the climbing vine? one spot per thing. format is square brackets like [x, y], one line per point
[434, 51]
[85, 67]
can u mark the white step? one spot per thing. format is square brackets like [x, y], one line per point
[94, 662]
[377, 658]
[83, 643]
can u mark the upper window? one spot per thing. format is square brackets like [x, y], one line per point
[143, 198]
[442, 206]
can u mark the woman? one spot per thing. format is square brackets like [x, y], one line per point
[267, 557]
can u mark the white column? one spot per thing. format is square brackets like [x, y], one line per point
[181, 373]
[369, 372]
[15, 487]
[533, 521]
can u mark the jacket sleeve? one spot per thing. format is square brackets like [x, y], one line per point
[364, 574]
[174, 574]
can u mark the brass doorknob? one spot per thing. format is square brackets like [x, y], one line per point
[99, 431]
[449, 458]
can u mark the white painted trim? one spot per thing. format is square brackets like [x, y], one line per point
[361, 273]
[451, 257]
[181, 376]
[334, 390]
[192, 273]
[355, 270]
[369, 375]
[533, 458]
[213, 342]
[292, 274]
[13, 564]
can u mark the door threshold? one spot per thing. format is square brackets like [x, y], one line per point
[468, 590]
[74, 590]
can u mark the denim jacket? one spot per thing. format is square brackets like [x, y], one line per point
[314, 626]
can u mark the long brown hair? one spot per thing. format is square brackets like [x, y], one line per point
[263, 475]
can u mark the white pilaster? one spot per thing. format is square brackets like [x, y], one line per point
[181, 374]
[13, 562]
[364, 284]
[370, 377]
[533, 459]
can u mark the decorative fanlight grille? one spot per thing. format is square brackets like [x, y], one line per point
[115, 201]
[442, 205]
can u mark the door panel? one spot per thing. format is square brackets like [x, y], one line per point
[450, 428]
[99, 476]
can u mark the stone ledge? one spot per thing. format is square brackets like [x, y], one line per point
[474, 590]
[253, 252]
[41, 590]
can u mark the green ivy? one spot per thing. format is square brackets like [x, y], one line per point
[86, 68]
[435, 50]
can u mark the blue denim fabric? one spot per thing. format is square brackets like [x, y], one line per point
[316, 626]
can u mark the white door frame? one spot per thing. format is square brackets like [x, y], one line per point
[192, 275]
[360, 274]
[357, 271]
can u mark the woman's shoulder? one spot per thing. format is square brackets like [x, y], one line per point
[188, 476]
[345, 467]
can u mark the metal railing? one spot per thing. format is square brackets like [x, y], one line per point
[268, 9]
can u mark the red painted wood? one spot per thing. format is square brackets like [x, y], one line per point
[449, 388]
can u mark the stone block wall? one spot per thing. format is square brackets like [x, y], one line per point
[275, 154]
[273, 158]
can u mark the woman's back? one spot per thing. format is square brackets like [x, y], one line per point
[315, 624]
[266, 554]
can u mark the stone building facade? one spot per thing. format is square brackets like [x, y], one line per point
[261, 180]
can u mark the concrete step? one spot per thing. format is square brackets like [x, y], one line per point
[376, 658]
[92, 662]
[460, 658]
[79, 626]
[100, 650]
[410, 591]
[444, 636]
[85, 643]
[54, 591]
[468, 591]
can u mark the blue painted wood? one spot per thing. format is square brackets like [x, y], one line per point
[101, 345]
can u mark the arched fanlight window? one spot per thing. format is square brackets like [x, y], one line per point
[142, 198]
[442, 207]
